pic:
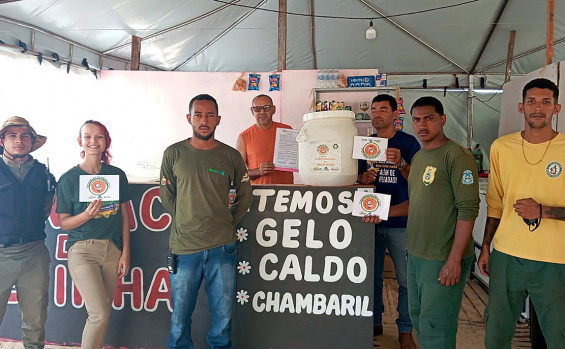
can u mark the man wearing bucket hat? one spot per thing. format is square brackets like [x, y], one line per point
[26, 192]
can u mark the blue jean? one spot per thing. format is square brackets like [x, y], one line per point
[393, 239]
[218, 267]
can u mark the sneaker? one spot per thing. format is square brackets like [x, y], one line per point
[378, 330]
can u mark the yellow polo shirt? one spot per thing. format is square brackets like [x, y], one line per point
[512, 178]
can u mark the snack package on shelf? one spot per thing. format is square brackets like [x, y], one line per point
[342, 81]
[275, 82]
[240, 84]
[254, 82]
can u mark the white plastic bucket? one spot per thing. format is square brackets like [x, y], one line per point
[325, 146]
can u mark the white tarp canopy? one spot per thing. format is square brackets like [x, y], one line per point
[424, 36]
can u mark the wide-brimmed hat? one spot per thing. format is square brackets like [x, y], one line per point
[38, 140]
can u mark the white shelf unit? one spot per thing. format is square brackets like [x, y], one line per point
[341, 94]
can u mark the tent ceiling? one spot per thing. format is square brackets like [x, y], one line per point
[208, 35]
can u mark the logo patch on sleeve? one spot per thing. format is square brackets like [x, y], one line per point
[467, 177]
[245, 178]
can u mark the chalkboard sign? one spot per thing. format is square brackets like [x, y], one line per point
[305, 271]
[310, 277]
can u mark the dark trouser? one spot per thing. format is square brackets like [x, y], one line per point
[434, 308]
[510, 279]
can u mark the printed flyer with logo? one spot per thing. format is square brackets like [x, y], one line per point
[374, 204]
[370, 148]
[94, 187]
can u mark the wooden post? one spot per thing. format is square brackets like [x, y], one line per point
[550, 24]
[282, 36]
[135, 52]
[510, 55]
[313, 36]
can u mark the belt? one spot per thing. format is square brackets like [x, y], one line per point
[19, 241]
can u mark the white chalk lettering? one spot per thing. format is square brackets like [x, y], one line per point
[359, 278]
[310, 242]
[329, 261]
[302, 201]
[290, 232]
[347, 234]
[271, 257]
[263, 194]
[345, 197]
[287, 303]
[281, 200]
[317, 304]
[259, 295]
[291, 266]
[272, 302]
[270, 234]
[303, 302]
[329, 201]
[308, 275]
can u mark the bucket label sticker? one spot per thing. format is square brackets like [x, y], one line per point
[325, 156]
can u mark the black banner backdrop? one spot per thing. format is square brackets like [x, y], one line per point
[305, 277]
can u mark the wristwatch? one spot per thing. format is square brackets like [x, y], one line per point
[402, 163]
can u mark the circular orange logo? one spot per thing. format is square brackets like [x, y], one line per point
[98, 186]
[323, 149]
[370, 203]
[371, 150]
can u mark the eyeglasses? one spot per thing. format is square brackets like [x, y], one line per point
[264, 107]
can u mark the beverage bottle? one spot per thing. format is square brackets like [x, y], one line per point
[478, 154]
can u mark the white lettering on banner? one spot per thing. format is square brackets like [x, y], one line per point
[270, 234]
[290, 232]
[281, 200]
[302, 201]
[262, 267]
[308, 275]
[310, 242]
[362, 270]
[269, 237]
[329, 202]
[318, 304]
[346, 198]
[347, 234]
[291, 266]
[263, 194]
[303, 302]
[333, 260]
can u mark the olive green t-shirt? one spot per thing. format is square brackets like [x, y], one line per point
[195, 188]
[443, 188]
[108, 223]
